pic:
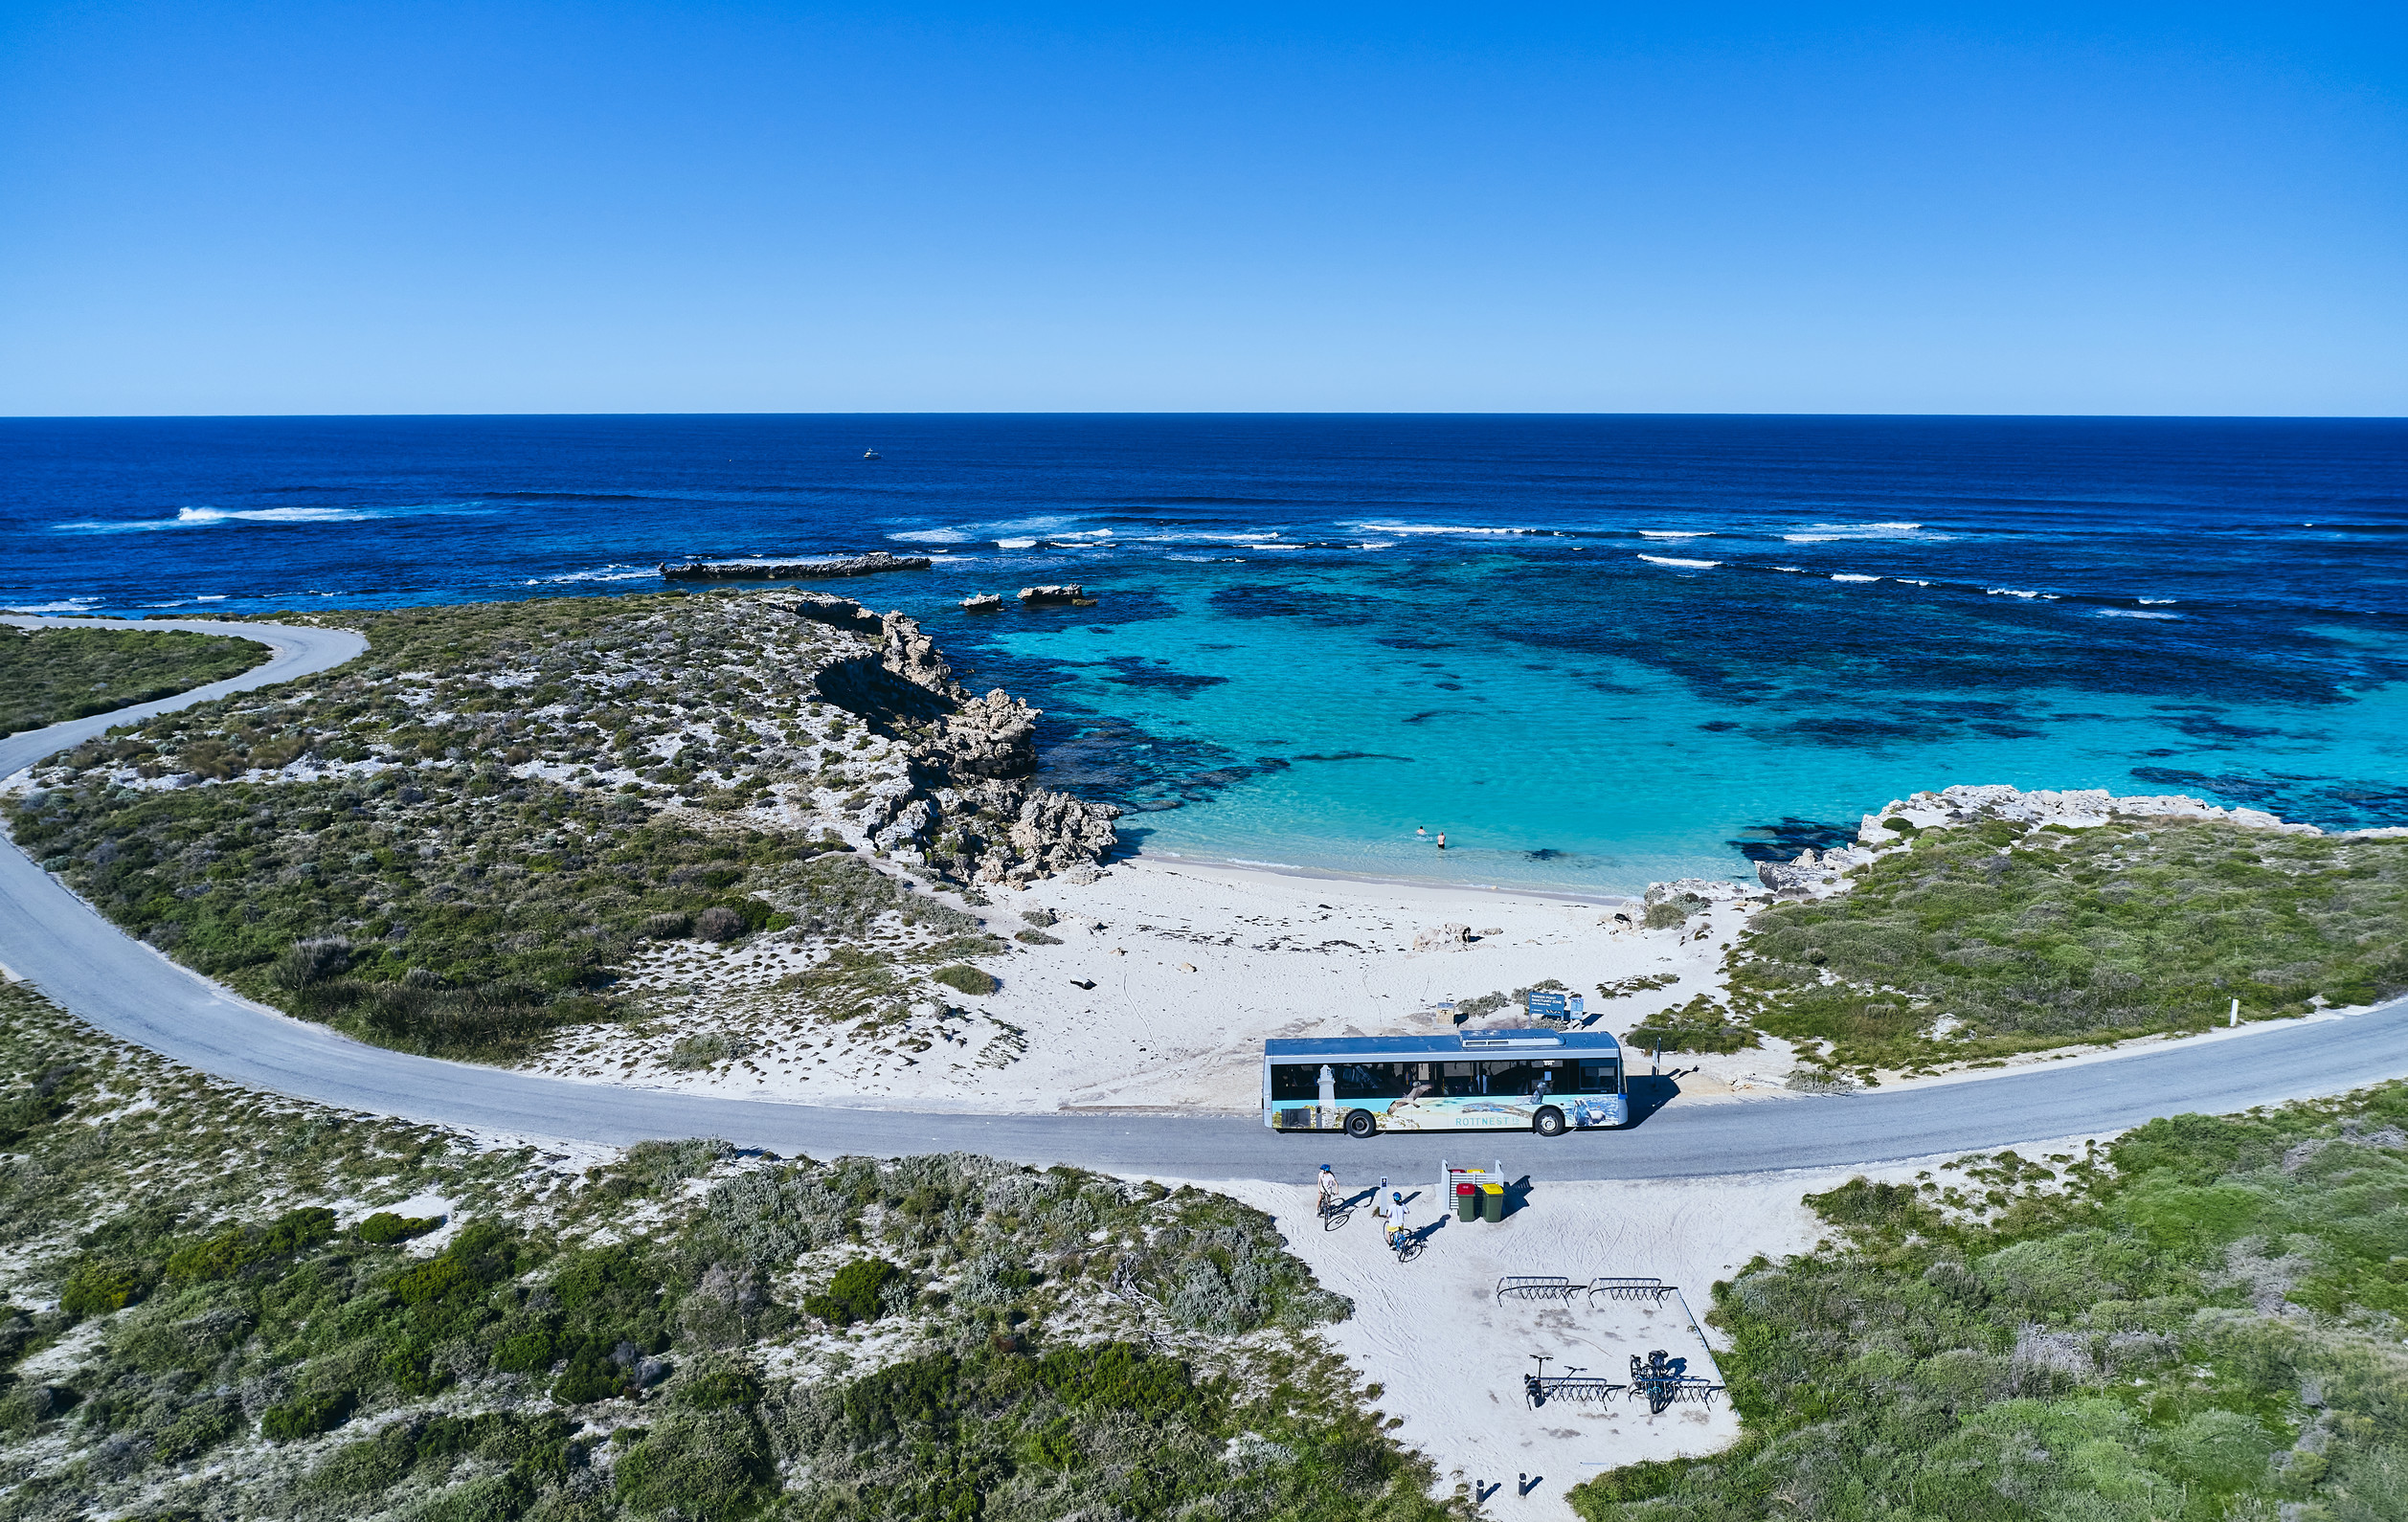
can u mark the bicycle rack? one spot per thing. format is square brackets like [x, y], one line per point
[1538, 1389]
[1538, 1286]
[1654, 1381]
[1629, 1289]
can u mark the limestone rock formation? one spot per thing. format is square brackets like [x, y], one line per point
[912, 654]
[969, 807]
[1056, 830]
[875, 563]
[2080, 808]
[1450, 937]
[994, 737]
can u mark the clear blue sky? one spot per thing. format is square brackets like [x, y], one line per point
[502, 207]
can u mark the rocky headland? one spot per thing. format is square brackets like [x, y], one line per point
[876, 562]
[511, 827]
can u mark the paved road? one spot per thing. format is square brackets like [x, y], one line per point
[50, 938]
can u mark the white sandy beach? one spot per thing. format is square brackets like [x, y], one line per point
[1192, 967]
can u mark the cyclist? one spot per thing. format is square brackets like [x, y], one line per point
[1329, 1190]
[1395, 1217]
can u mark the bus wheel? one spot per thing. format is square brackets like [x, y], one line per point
[1359, 1124]
[1548, 1122]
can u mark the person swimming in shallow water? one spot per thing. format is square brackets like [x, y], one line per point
[1442, 839]
[1420, 832]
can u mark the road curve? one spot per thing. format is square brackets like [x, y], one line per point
[59, 943]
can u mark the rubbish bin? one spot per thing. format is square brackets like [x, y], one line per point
[1467, 1203]
[1491, 1201]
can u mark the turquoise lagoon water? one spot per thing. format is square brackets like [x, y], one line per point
[1554, 767]
[1594, 651]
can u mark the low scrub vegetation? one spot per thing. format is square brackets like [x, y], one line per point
[681, 1330]
[50, 675]
[1985, 941]
[1700, 1025]
[2199, 1323]
[457, 844]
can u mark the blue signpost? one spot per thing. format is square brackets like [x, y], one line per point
[1547, 1006]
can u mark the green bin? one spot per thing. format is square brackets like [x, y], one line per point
[1467, 1203]
[1491, 1201]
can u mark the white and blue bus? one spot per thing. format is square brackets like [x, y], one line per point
[1545, 1080]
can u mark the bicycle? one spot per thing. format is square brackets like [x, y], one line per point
[1335, 1211]
[1406, 1245]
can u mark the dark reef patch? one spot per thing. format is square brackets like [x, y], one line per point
[1138, 671]
[2324, 801]
[1782, 841]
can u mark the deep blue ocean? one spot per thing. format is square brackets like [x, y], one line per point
[1595, 651]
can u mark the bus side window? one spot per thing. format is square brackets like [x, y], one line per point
[1294, 1080]
[1507, 1078]
[1372, 1079]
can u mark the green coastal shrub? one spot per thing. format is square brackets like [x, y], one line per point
[662, 1312]
[1986, 941]
[1670, 913]
[51, 675]
[306, 1417]
[857, 1292]
[963, 979]
[384, 1228]
[1700, 1025]
[96, 1288]
[2197, 1321]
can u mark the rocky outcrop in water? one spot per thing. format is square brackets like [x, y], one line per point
[875, 563]
[982, 602]
[970, 808]
[1053, 597]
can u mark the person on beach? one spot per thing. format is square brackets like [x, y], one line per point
[1329, 1190]
[1395, 1217]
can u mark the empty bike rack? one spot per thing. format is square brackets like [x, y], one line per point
[1538, 1286]
[1629, 1289]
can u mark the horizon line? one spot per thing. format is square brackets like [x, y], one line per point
[1298, 413]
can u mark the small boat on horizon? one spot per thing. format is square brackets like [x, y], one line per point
[871, 454]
